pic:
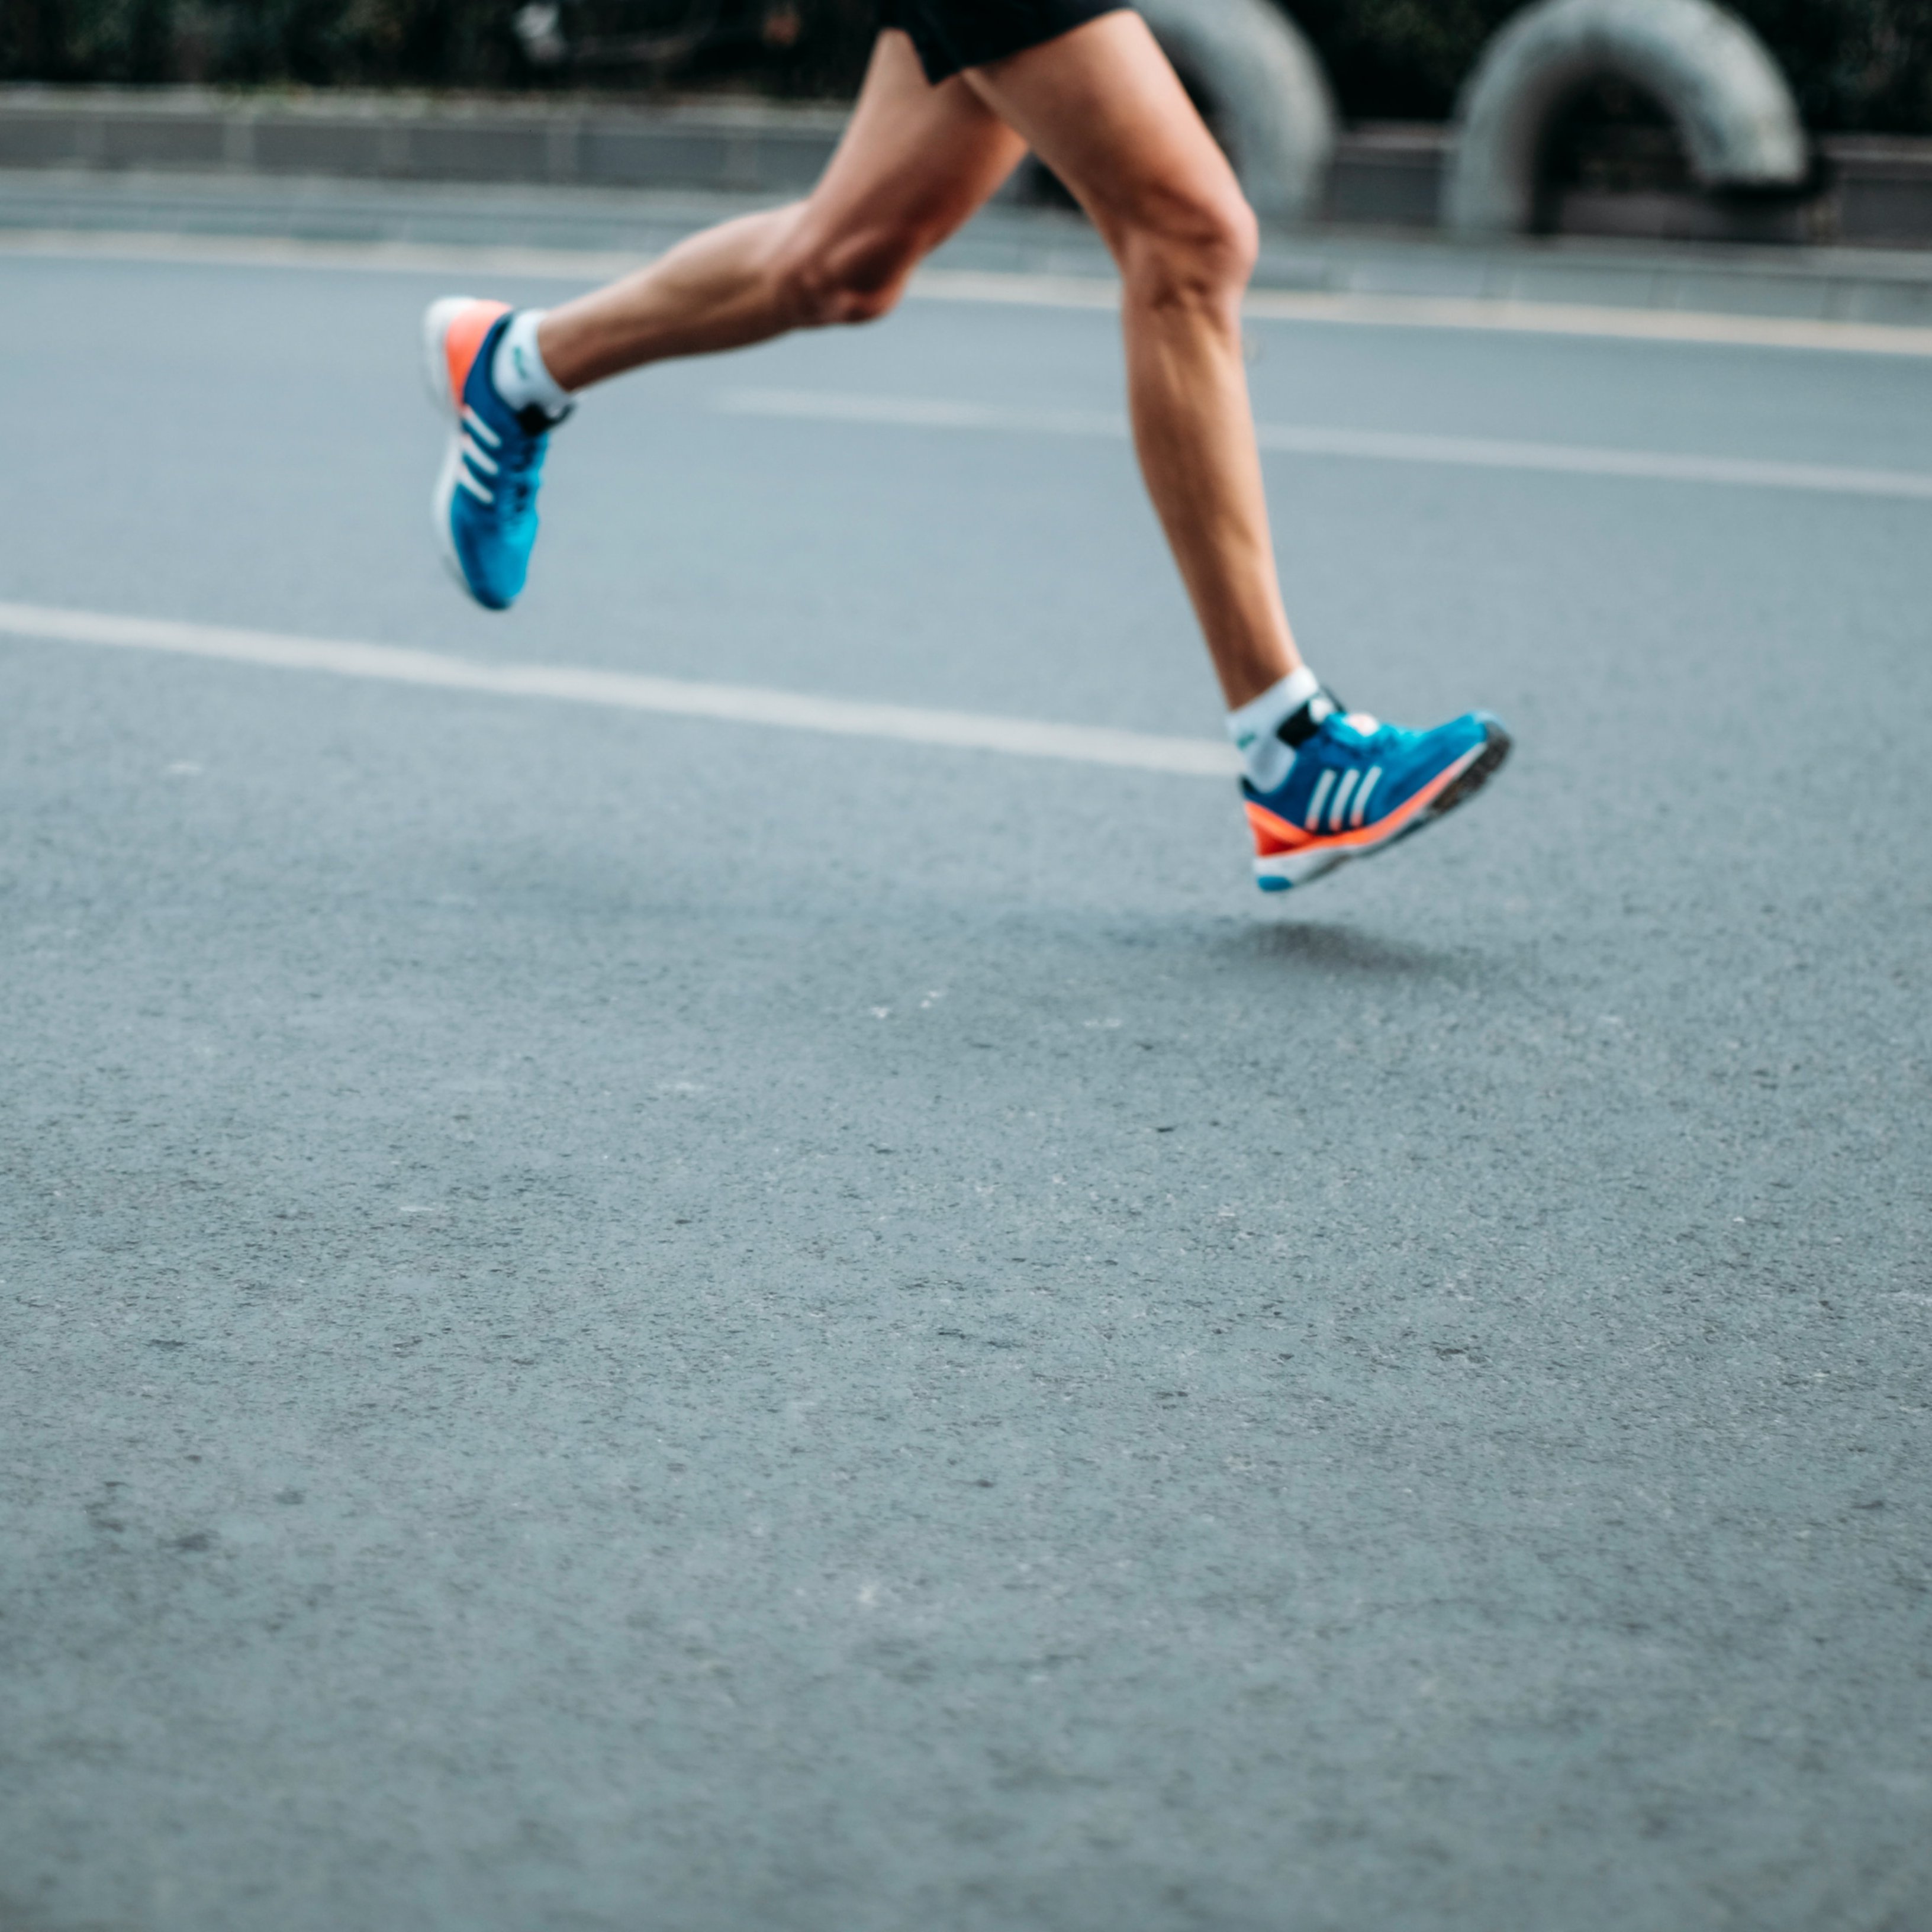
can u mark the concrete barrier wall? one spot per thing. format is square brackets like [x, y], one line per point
[1382, 178]
[730, 145]
[1867, 189]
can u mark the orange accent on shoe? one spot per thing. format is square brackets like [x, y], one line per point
[461, 340]
[1378, 829]
[1275, 835]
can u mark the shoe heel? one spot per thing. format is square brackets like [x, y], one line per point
[436, 325]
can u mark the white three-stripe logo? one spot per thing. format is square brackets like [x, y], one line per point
[1342, 792]
[1326, 783]
[473, 453]
[1362, 796]
[1313, 821]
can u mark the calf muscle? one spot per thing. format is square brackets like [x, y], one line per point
[1104, 110]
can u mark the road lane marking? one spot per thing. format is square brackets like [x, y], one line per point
[1372, 445]
[1510, 315]
[919, 413]
[592, 266]
[624, 691]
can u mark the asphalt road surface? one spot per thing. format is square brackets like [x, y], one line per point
[615, 1321]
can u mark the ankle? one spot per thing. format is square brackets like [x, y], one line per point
[519, 372]
[1263, 730]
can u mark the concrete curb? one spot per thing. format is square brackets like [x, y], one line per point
[607, 228]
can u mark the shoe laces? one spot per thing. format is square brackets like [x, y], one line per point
[520, 467]
[1355, 730]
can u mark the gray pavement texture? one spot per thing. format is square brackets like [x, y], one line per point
[1888, 286]
[615, 1322]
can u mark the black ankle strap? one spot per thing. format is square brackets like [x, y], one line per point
[533, 419]
[1301, 725]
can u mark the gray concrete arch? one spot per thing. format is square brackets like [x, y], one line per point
[1267, 87]
[1708, 71]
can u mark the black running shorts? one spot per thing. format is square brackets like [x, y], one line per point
[950, 34]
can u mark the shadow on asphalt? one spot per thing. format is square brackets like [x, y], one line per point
[1338, 950]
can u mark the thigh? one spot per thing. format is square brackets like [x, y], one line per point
[915, 161]
[1103, 106]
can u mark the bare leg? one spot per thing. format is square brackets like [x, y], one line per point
[915, 161]
[1103, 108]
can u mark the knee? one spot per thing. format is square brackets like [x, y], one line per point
[1195, 250]
[849, 279]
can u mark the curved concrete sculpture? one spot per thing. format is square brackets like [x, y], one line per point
[1267, 92]
[1708, 70]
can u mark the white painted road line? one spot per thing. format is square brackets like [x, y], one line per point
[1510, 314]
[580, 266]
[1340, 307]
[1371, 445]
[622, 691]
[919, 413]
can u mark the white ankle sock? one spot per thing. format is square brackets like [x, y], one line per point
[517, 371]
[1267, 759]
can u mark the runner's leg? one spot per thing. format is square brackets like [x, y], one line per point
[915, 161]
[1103, 108]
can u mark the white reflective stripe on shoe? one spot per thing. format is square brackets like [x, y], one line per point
[1362, 796]
[464, 481]
[1341, 805]
[482, 457]
[482, 429]
[1322, 787]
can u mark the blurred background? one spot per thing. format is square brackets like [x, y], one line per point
[1613, 163]
[1855, 66]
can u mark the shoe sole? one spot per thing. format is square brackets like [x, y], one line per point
[1286, 870]
[436, 323]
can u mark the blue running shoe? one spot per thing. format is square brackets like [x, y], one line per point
[1357, 786]
[485, 504]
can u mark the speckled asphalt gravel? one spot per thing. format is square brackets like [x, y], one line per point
[612, 1322]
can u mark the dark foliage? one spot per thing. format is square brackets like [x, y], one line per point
[1855, 64]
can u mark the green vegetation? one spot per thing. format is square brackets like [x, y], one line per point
[1863, 65]
[1855, 64]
